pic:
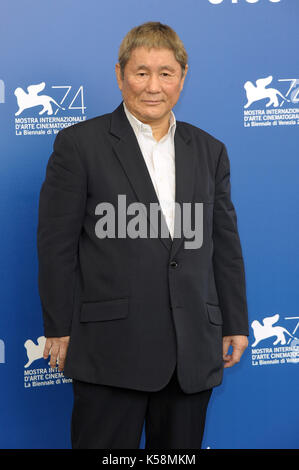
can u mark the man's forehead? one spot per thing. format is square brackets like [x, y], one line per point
[142, 56]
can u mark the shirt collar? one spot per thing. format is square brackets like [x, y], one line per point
[140, 127]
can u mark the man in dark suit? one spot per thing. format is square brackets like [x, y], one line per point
[142, 324]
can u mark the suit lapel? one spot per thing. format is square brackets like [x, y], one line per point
[184, 180]
[129, 154]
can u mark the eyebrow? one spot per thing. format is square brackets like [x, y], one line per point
[163, 67]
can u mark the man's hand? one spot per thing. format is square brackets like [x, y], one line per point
[57, 347]
[239, 343]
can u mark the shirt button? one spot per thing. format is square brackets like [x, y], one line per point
[174, 264]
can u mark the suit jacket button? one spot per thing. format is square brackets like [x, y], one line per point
[174, 264]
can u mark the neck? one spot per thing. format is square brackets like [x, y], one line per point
[159, 127]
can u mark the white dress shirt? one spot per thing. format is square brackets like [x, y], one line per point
[159, 157]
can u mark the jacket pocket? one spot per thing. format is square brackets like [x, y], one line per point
[214, 314]
[105, 310]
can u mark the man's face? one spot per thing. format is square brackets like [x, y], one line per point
[152, 83]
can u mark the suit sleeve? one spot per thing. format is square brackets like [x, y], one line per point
[61, 212]
[227, 257]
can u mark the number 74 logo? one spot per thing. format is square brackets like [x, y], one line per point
[79, 97]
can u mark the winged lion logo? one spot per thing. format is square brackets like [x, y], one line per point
[32, 98]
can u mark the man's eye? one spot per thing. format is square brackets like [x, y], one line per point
[141, 74]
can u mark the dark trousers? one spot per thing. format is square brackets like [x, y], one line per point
[107, 417]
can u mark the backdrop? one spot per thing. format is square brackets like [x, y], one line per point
[57, 68]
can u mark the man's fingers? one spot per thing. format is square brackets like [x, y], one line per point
[61, 357]
[225, 345]
[229, 363]
[64, 344]
[54, 355]
[231, 360]
[239, 343]
[47, 348]
[234, 358]
[57, 348]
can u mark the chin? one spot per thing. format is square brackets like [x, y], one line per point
[153, 111]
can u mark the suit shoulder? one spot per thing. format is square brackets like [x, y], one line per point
[88, 126]
[195, 132]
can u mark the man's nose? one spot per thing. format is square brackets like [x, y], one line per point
[153, 84]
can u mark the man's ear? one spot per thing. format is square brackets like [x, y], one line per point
[184, 76]
[118, 76]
